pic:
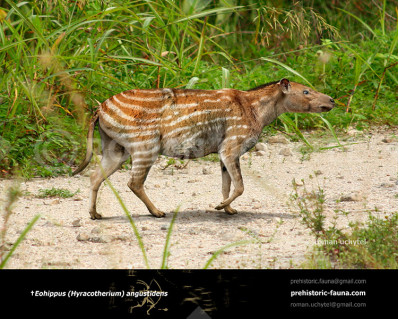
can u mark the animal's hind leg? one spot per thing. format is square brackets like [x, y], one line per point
[226, 183]
[140, 168]
[114, 155]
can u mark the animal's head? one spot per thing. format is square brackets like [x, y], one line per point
[298, 98]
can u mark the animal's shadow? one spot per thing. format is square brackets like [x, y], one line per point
[199, 216]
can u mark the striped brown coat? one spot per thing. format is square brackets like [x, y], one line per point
[190, 124]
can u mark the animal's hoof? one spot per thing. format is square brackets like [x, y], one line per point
[95, 216]
[230, 211]
[158, 214]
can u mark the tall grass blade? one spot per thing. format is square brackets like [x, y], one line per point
[192, 82]
[331, 129]
[288, 69]
[131, 221]
[166, 253]
[287, 121]
[63, 72]
[366, 63]
[336, 146]
[360, 20]
[224, 248]
[19, 240]
[382, 19]
[200, 47]
[208, 13]
[225, 78]
[30, 94]
[135, 59]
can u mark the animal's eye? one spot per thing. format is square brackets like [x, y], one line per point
[305, 92]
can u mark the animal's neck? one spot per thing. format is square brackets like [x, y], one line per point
[266, 103]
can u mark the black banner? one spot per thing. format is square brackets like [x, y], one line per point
[199, 293]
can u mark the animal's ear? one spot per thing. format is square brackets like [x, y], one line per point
[285, 85]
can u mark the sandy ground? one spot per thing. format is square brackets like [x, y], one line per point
[365, 174]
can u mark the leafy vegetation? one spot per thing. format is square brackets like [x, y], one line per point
[56, 192]
[370, 245]
[58, 58]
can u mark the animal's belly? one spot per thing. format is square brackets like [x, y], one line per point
[134, 139]
[197, 144]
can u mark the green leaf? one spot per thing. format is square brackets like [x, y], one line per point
[287, 121]
[330, 128]
[132, 58]
[192, 82]
[225, 78]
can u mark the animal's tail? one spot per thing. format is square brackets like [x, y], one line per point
[89, 147]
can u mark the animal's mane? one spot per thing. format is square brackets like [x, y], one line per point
[263, 86]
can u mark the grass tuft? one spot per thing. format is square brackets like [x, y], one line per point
[56, 192]
[370, 245]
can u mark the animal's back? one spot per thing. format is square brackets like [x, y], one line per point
[180, 123]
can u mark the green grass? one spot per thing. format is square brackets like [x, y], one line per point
[58, 58]
[56, 192]
[373, 244]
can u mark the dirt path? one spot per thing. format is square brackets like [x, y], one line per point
[64, 237]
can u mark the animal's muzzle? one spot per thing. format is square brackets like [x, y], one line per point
[326, 108]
